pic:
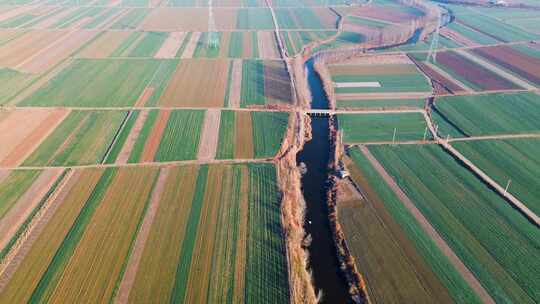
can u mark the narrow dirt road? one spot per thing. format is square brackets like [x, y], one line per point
[445, 249]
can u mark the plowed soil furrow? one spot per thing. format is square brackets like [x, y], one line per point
[171, 45]
[124, 154]
[15, 258]
[34, 139]
[191, 46]
[12, 220]
[136, 254]
[152, 144]
[210, 135]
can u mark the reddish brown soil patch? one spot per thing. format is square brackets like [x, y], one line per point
[236, 83]
[442, 85]
[210, 135]
[277, 85]
[152, 144]
[474, 73]
[145, 95]
[124, 154]
[171, 45]
[34, 139]
[505, 56]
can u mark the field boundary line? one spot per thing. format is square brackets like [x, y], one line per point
[530, 215]
[467, 275]
[496, 137]
[116, 136]
[495, 69]
[449, 77]
[132, 266]
[24, 243]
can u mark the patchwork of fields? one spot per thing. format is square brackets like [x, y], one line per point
[94, 208]
[144, 157]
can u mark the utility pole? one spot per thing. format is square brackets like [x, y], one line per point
[435, 40]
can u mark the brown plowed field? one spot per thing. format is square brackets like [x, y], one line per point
[474, 73]
[104, 45]
[191, 46]
[24, 47]
[236, 82]
[197, 83]
[56, 52]
[152, 144]
[266, 45]
[171, 45]
[17, 139]
[124, 154]
[443, 85]
[30, 142]
[277, 85]
[244, 136]
[505, 56]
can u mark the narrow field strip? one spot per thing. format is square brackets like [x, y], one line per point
[36, 262]
[138, 247]
[209, 135]
[154, 138]
[24, 243]
[134, 132]
[171, 46]
[191, 46]
[235, 84]
[18, 213]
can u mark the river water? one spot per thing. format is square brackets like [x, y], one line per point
[315, 155]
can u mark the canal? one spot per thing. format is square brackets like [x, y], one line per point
[327, 275]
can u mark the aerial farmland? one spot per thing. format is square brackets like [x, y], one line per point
[269, 151]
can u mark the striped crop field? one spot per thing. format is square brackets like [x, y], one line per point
[110, 215]
[359, 128]
[96, 82]
[12, 82]
[509, 113]
[168, 136]
[264, 82]
[214, 236]
[515, 161]
[399, 260]
[245, 135]
[82, 138]
[496, 242]
[216, 219]
[13, 184]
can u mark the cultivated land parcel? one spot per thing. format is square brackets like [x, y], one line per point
[144, 158]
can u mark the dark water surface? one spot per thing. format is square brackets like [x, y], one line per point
[315, 155]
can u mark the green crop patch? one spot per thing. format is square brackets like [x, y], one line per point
[494, 240]
[96, 83]
[513, 163]
[264, 82]
[381, 104]
[407, 254]
[13, 186]
[358, 128]
[181, 136]
[487, 114]
[82, 138]
[149, 44]
[378, 78]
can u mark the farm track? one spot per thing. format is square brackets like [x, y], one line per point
[531, 216]
[428, 228]
[493, 68]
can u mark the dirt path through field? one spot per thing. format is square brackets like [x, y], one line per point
[16, 216]
[30, 142]
[210, 135]
[171, 46]
[191, 46]
[405, 95]
[504, 74]
[124, 154]
[145, 95]
[267, 46]
[154, 138]
[138, 248]
[447, 251]
[23, 245]
[236, 84]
